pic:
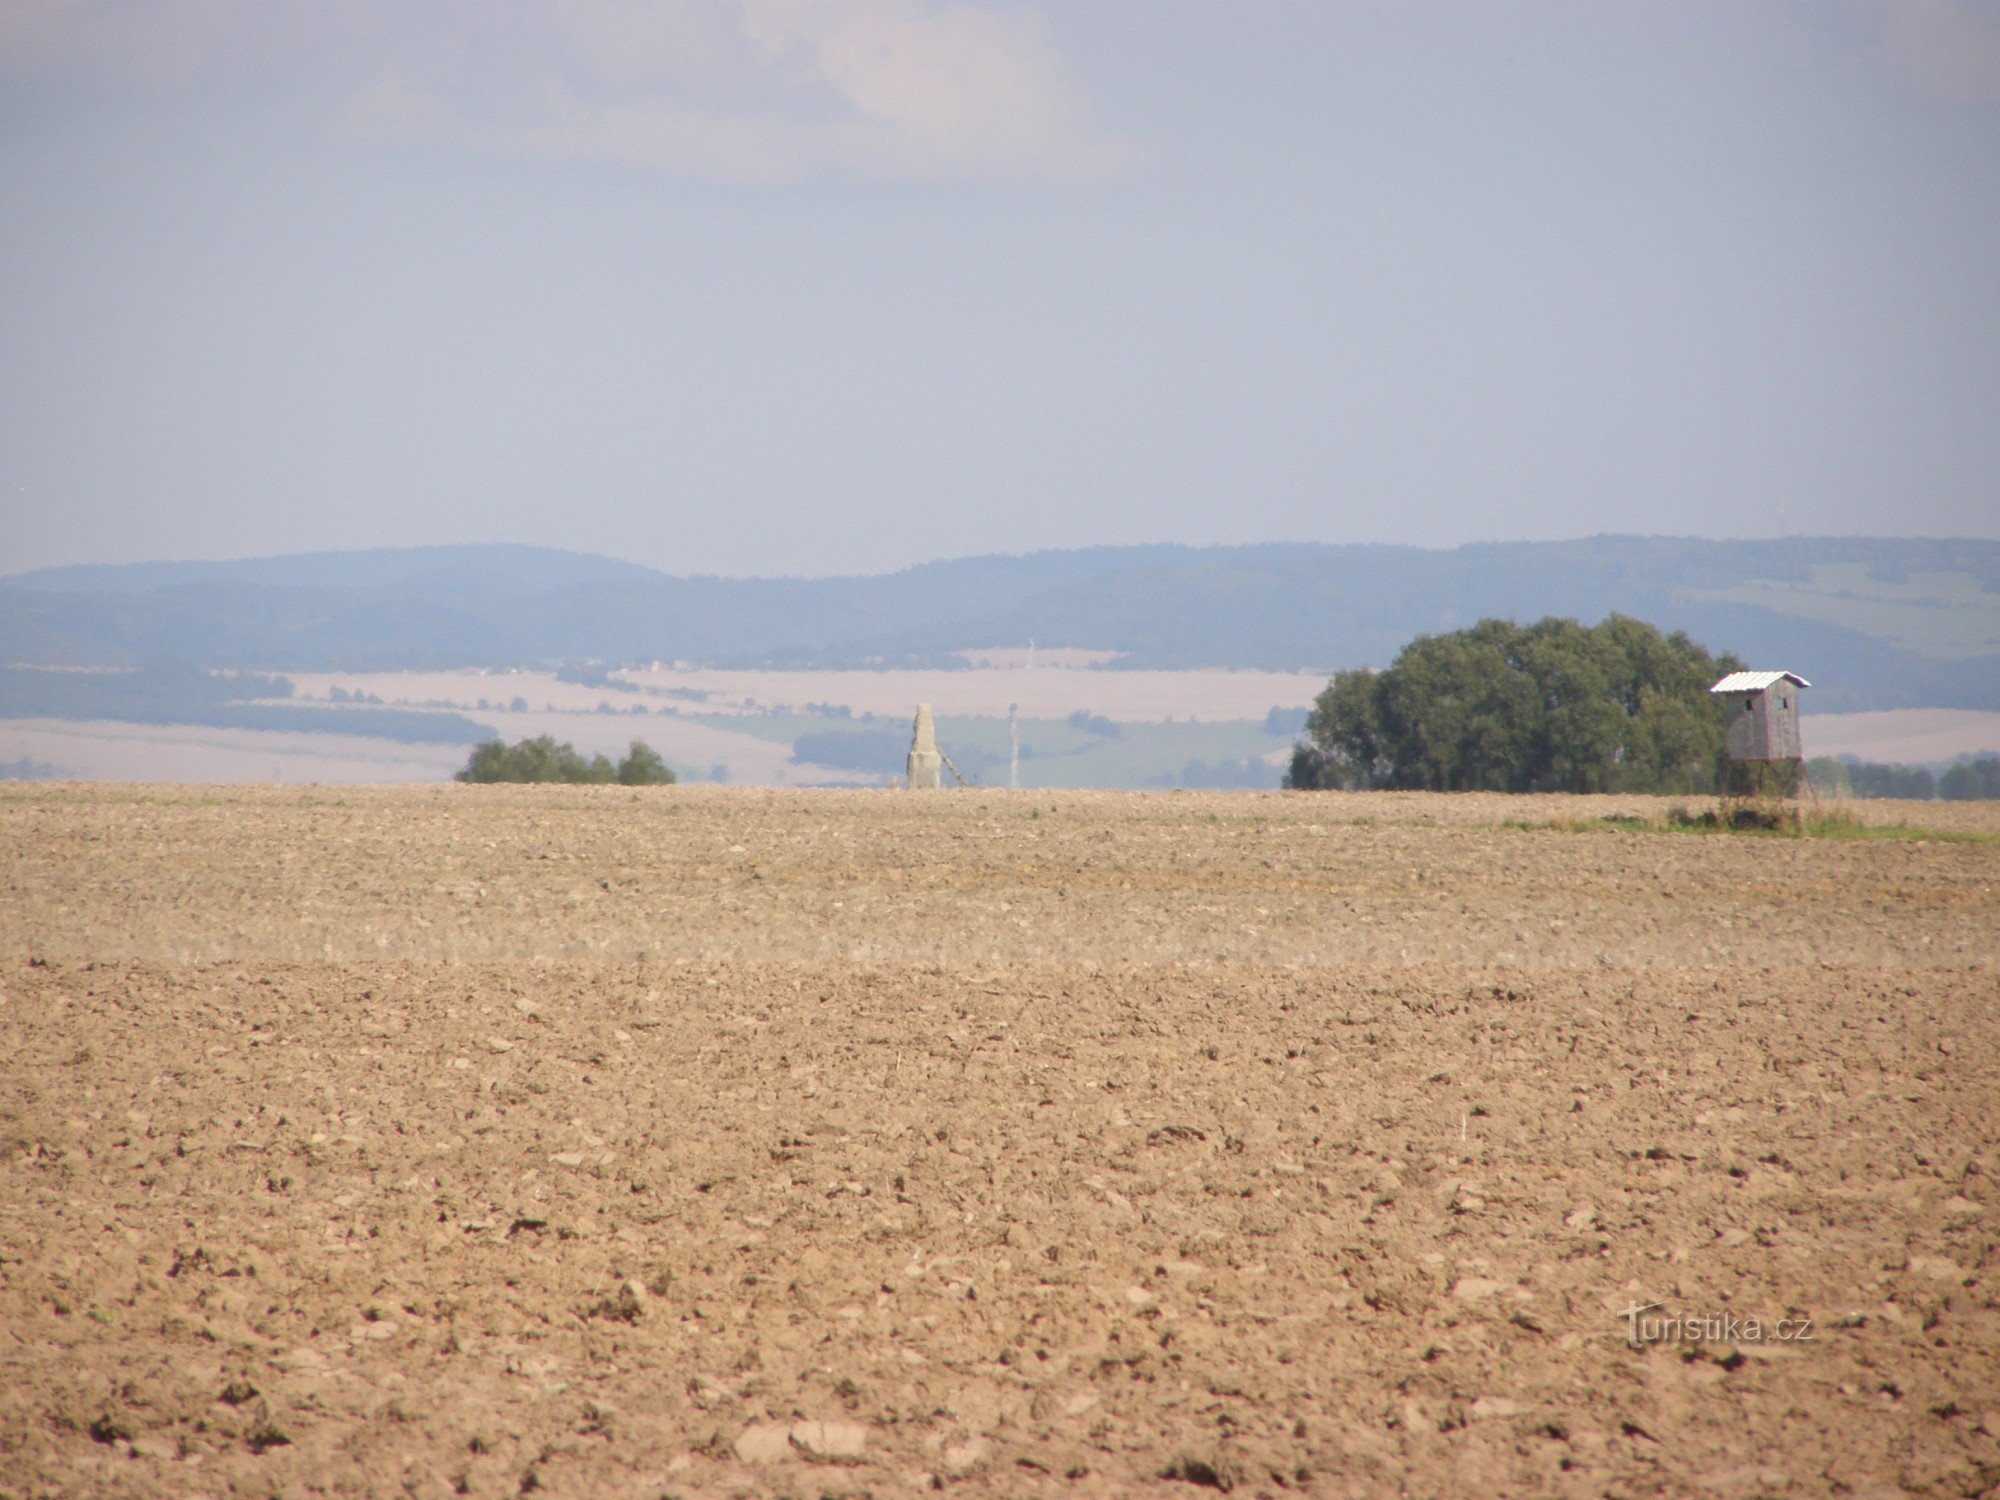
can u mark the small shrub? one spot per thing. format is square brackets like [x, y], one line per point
[642, 766]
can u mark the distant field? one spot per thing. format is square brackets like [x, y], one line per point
[746, 723]
[1043, 691]
[1903, 736]
[101, 750]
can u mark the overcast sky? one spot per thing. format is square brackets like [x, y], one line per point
[809, 286]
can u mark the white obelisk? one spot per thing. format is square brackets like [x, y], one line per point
[926, 764]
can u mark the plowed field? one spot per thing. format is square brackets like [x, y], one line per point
[706, 1142]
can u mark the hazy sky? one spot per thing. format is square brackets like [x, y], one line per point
[839, 285]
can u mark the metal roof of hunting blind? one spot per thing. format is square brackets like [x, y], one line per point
[1756, 682]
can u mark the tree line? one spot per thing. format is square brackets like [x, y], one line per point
[544, 759]
[1975, 780]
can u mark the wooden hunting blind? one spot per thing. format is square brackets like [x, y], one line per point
[1763, 715]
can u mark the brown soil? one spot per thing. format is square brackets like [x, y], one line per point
[697, 1142]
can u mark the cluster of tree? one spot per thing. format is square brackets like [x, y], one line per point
[543, 759]
[1551, 707]
[1972, 781]
[1975, 780]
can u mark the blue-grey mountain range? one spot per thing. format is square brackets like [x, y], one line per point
[1874, 622]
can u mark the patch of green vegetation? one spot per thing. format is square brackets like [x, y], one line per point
[1757, 821]
[542, 759]
[1555, 706]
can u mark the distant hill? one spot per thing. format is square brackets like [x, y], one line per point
[1875, 622]
[498, 564]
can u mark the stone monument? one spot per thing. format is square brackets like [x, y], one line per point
[926, 763]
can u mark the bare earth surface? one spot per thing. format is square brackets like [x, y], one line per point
[709, 1142]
